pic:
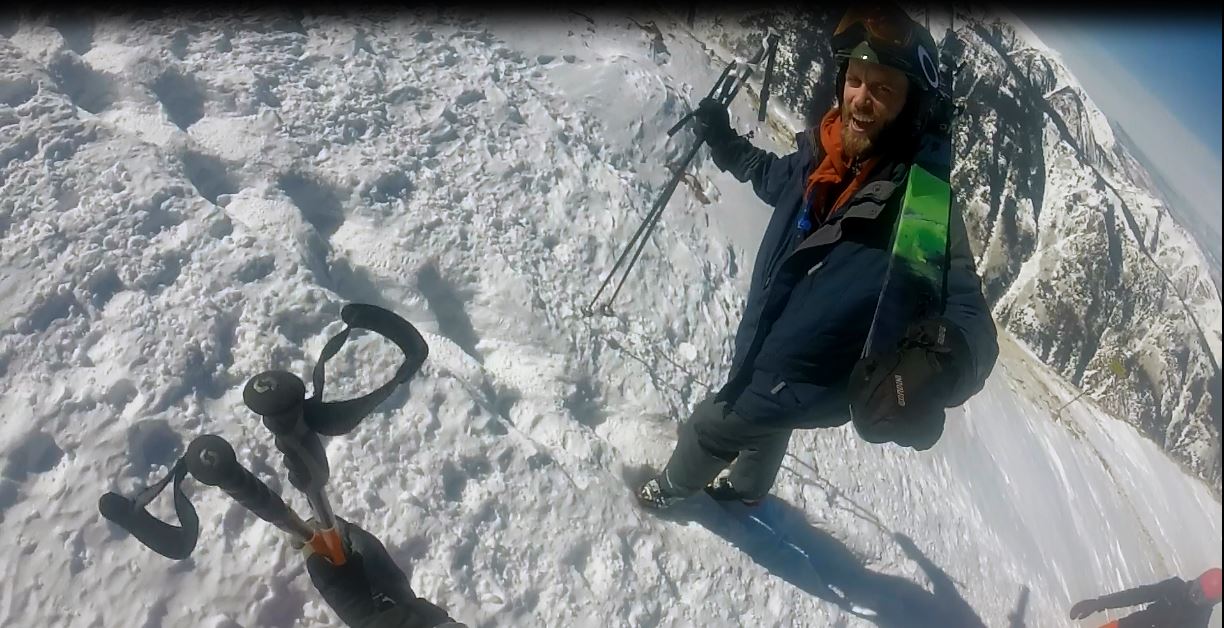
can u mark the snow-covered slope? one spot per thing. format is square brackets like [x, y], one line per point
[185, 202]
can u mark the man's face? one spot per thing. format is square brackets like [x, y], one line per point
[873, 97]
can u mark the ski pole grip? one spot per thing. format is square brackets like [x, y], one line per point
[303, 455]
[771, 46]
[276, 396]
[211, 460]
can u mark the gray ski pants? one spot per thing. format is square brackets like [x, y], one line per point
[714, 437]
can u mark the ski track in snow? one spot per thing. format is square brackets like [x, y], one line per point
[185, 203]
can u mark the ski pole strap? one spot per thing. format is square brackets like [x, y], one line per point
[175, 542]
[340, 417]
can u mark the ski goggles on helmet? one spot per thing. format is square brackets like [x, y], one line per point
[883, 33]
[880, 26]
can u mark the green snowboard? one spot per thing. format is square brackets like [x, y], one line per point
[914, 283]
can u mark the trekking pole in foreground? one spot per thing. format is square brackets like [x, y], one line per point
[296, 423]
[724, 90]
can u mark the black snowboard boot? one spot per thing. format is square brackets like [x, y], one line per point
[653, 495]
[722, 490]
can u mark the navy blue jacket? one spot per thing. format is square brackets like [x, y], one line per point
[813, 294]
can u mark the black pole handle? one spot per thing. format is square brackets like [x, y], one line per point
[212, 461]
[304, 457]
[721, 77]
[724, 95]
[278, 397]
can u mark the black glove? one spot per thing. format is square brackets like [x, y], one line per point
[900, 396]
[370, 590]
[712, 123]
[1084, 608]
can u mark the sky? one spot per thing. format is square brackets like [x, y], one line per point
[1178, 62]
[1160, 80]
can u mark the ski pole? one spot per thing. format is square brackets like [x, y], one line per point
[211, 460]
[724, 91]
[296, 424]
[771, 43]
[729, 90]
[642, 235]
[652, 218]
[278, 397]
[647, 222]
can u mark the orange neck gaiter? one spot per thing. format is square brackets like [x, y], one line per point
[833, 169]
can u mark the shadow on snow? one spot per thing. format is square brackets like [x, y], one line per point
[778, 537]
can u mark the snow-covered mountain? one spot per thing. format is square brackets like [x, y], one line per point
[1149, 175]
[1081, 257]
[188, 200]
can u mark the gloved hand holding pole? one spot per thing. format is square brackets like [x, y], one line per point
[721, 94]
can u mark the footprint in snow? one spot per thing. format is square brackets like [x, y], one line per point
[36, 452]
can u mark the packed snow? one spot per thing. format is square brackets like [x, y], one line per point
[186, 202]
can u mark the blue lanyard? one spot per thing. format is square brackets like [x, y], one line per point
[804, 224]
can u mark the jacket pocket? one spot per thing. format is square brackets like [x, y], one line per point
[803, 404]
